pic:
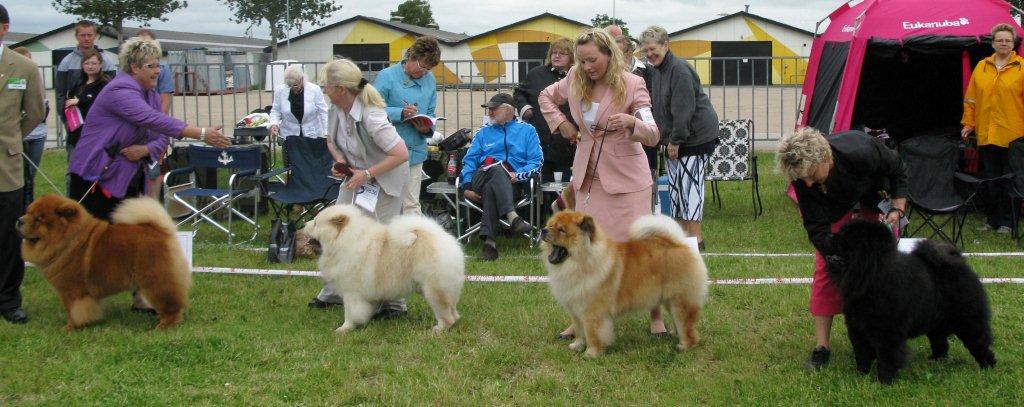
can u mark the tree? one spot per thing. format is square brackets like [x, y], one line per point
[115, 13]
[416, 12]
[1019, 4]
[603, 20]
[278, 16]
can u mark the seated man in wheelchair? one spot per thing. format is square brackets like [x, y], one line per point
[503, 157]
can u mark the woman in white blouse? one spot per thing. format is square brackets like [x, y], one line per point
[361, 136]
[299, 108]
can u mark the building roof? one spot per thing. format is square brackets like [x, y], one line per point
[170, 40]
[13, 37]
[444, 37]
[741, 14]
[536, 17]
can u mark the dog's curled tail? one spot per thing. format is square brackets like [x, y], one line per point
[137, 211]
[941, 257]
[657, 226]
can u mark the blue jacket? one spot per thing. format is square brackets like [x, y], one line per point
[397, 88]
[514, 142]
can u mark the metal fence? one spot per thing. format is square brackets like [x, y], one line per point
[765, 90]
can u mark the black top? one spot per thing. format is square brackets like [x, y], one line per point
[86, 94]
[297, 101]
[864, 168]
[557, 150]
[682, 110]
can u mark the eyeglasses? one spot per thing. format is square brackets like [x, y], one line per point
[151, 66]
[420, 68]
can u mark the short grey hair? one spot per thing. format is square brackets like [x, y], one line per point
[654, 33]
[799, 153]
[136, 51]
[293, 75]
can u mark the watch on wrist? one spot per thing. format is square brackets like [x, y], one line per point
[202, 134]
[368, 175]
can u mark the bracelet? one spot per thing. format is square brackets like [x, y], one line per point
[368, 175]
[202, 134]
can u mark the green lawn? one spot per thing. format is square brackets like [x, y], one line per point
[250, 340]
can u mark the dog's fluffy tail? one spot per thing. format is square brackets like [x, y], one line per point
[942, 258]
[657, 226]
[137, 211]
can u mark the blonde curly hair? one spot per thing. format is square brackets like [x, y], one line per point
[136, 51]
[799, 153]
[582, 85]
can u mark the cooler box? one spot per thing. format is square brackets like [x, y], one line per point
[663, 197]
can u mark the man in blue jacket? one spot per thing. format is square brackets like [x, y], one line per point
[504, 153]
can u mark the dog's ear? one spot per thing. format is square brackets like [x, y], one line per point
[67, 211]
[587, 226]
[339, 222]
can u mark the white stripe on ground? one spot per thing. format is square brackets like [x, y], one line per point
[544, 279]
[993, 254]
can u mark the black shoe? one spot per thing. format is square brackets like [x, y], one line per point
[316, 303]
[701, 247]
[819, 358]
[15, 316]
[141, 310]
[388, 313]
[489, 252]
[519, 226]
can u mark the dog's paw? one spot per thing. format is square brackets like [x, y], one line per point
[577, 346]
[343, 329]
[592, 353]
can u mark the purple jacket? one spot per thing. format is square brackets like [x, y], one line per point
[123, 115]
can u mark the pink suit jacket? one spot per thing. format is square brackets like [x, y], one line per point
[622, 166]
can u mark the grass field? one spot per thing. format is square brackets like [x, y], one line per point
[251, 340]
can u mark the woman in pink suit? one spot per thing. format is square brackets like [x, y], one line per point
[611, 177]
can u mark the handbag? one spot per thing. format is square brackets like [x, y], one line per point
[73, 118]
[456, 141]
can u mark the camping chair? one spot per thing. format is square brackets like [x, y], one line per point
[529, 197]
[241, 162]
[932, 196]
[734, 160]
[308, 187]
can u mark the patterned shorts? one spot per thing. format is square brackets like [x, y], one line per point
[686, 186]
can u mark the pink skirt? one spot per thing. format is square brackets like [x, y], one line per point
[613, 213]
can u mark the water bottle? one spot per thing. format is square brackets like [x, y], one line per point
[451, 168]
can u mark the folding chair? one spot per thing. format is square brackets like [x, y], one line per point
[734, 160]
[241, 162]
[931, 169]
[529, 198]
[307, 186]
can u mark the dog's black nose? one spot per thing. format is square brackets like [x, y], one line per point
[20, 222]
[544, 233]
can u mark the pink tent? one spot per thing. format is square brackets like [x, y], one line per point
[897, 64]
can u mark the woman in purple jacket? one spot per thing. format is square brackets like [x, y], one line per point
[125, 132]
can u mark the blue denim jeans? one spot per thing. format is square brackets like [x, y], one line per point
[34, 150]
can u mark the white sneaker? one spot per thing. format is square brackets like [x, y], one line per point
[985, 227]
[1005, 230]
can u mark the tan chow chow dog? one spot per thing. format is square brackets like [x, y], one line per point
[597, 279]
[87, 259]
[368, 262]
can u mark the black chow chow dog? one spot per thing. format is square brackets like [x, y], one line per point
[889, 297]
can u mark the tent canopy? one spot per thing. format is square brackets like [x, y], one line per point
[897, 64]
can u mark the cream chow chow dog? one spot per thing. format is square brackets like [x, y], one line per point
[367, 262]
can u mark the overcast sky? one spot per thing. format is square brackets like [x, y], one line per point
[211, 16]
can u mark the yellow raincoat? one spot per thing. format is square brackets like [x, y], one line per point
[994, 102]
